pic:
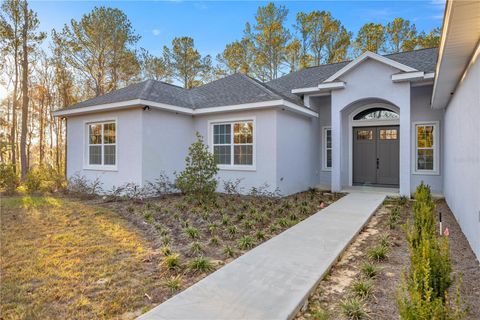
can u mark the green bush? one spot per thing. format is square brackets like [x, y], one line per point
[43, 179]
[198, 181]
[423, 292]
[8, 178]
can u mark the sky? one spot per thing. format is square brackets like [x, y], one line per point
[213, 24]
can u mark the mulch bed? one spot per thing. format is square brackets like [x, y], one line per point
[324, 302]
[257, 217]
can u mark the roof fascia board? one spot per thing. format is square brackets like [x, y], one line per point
[162, 106]
[369, 55]
[322, 87]
[441, 48]
[408, 76]
[98, 108]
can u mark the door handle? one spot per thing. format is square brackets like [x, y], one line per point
[378, 163]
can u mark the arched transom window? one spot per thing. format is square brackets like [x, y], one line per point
[376, 114]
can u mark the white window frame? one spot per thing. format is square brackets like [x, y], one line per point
[435, 147]
[86, 161]
[324, 148]
[232, 166]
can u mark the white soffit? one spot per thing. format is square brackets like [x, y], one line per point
[459, 42]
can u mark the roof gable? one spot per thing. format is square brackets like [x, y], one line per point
[369, 55]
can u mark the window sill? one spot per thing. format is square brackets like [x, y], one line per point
[100, 168]
[236, 168]
[426, 173]
[327, 169]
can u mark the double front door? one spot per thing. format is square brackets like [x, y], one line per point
[376, 155]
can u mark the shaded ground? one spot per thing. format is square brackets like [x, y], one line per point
[67, 258]
[324, 302]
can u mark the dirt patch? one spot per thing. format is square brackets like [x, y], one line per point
[324, 302]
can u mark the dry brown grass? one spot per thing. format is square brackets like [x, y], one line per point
[63, 259]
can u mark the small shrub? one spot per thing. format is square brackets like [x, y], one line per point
[385, 240]
[166, 239]
[246, 242]
[200, 264]
[232, 187]
[166, 251]
[171, 261]
[214, 241]
[248, 224]
[212, 228]
[162, 185]
[362, 288]
[369, 270]
[232, 230]
[130, 209]
[353, 308]
[148, 215]
[283, 222]
[225, 220]
[196, 248]
[43, 179]
[174, 282]
[198, 181]
[378, 253]
[8, 179]
[192, 232]
[229, 251]
[273, 227]
[260, 235]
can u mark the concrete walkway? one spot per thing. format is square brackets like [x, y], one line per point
[273, 280]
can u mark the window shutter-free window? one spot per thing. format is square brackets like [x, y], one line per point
[102, 138]
[233, 143]
[426, 135]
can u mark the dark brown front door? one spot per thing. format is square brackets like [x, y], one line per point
[376, 155]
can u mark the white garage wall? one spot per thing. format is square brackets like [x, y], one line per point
[129, 147]
[462, 155]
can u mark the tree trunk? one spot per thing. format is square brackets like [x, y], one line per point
[23, 137]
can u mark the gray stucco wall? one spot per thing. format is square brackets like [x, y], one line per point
[298, 162]
[462, 155]
[421, 111]
[323, 107]
[265, 147]
[165, 142]
[129, 147]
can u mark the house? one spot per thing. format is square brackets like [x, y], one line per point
[390, 121]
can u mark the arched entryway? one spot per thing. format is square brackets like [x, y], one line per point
[374, 145]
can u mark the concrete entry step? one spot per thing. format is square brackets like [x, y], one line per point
[273, 280]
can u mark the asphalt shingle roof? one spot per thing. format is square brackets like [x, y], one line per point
[422, 60]
[240, 89]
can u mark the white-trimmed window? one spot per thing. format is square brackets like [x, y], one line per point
[426, 147]
[102, 144]
[233, 144]
[327, 148]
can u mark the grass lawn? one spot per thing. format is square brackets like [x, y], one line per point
[63, 259]
[83, 259]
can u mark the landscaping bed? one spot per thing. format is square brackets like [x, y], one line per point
[364, 286]
[64, 257]
[205, 237]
